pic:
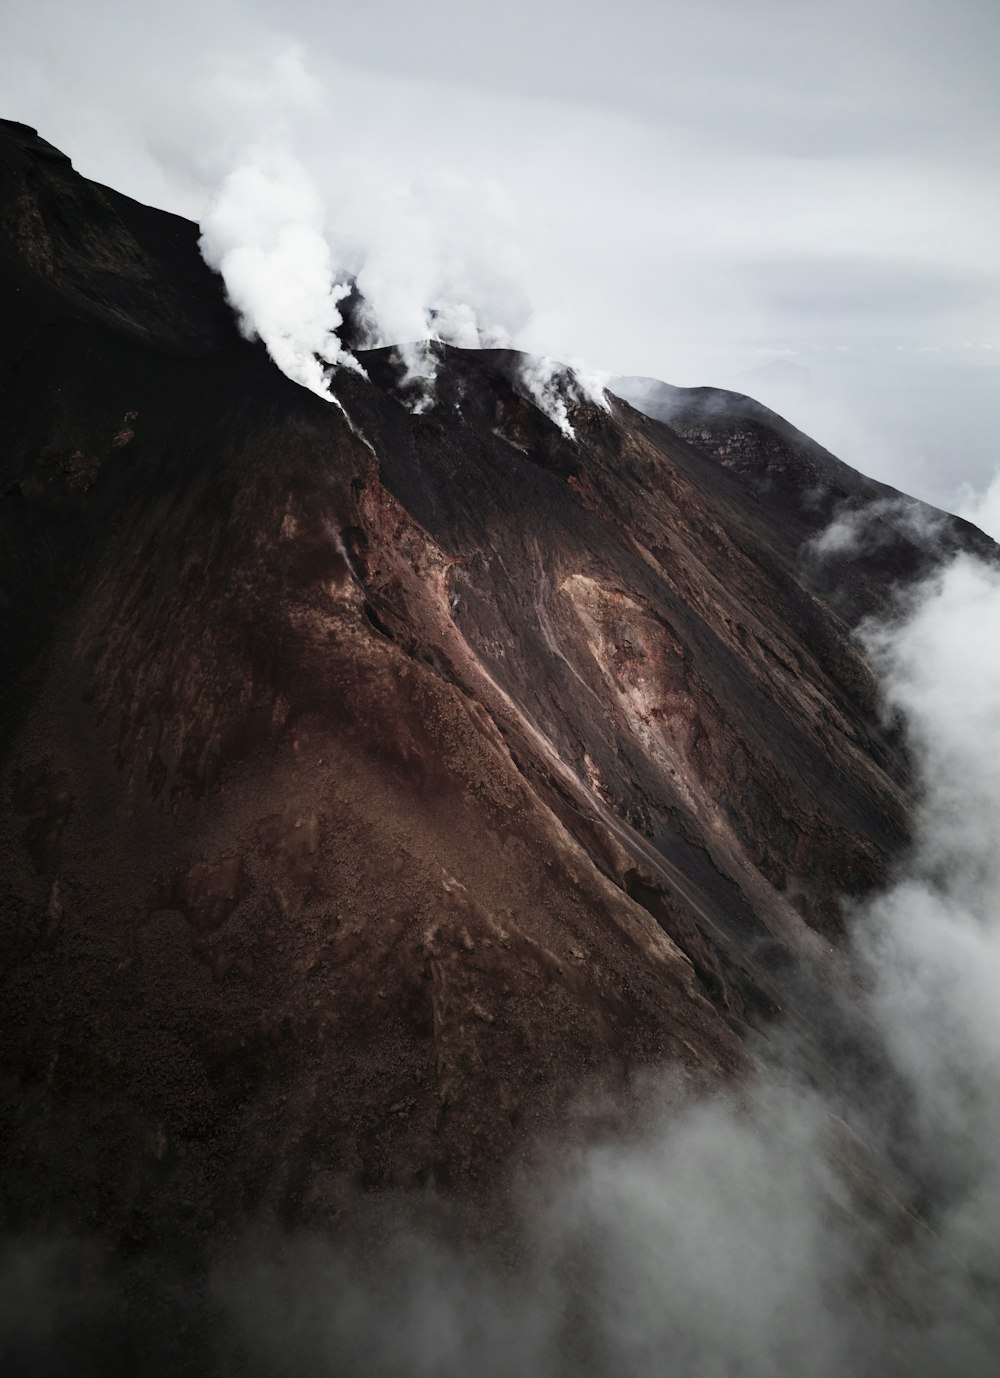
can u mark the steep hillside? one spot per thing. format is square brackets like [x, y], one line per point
[887, 536]
[376, 784]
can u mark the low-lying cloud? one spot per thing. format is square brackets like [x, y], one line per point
[864, 530]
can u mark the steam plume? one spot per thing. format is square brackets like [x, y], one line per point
[555, 387]
[263, 233]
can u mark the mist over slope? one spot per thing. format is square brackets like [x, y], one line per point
[434, 826]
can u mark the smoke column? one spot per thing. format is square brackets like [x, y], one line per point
[555, 387]
[263, 233]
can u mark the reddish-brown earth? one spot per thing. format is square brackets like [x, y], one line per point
[366, 804]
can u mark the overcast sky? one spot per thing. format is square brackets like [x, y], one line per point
[691, 191]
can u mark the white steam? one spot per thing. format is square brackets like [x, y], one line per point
[933, 942]
[981, 507]
[864, 530]
[263, 232]
[555, 388]
[435, 254]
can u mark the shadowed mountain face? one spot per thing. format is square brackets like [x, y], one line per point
[371, 791]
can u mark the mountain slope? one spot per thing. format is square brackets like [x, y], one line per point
[374, 789]
[888, 536]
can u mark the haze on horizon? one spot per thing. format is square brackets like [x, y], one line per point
[696, 195]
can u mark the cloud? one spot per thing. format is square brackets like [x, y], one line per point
[982, 508]
[864, 530]
[932, 943]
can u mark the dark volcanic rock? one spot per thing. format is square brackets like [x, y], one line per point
[369, 794]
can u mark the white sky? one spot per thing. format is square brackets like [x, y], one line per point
[690, 192]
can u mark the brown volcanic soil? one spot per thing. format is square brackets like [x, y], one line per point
[365, 804]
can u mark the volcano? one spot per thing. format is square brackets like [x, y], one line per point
[376, 786]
